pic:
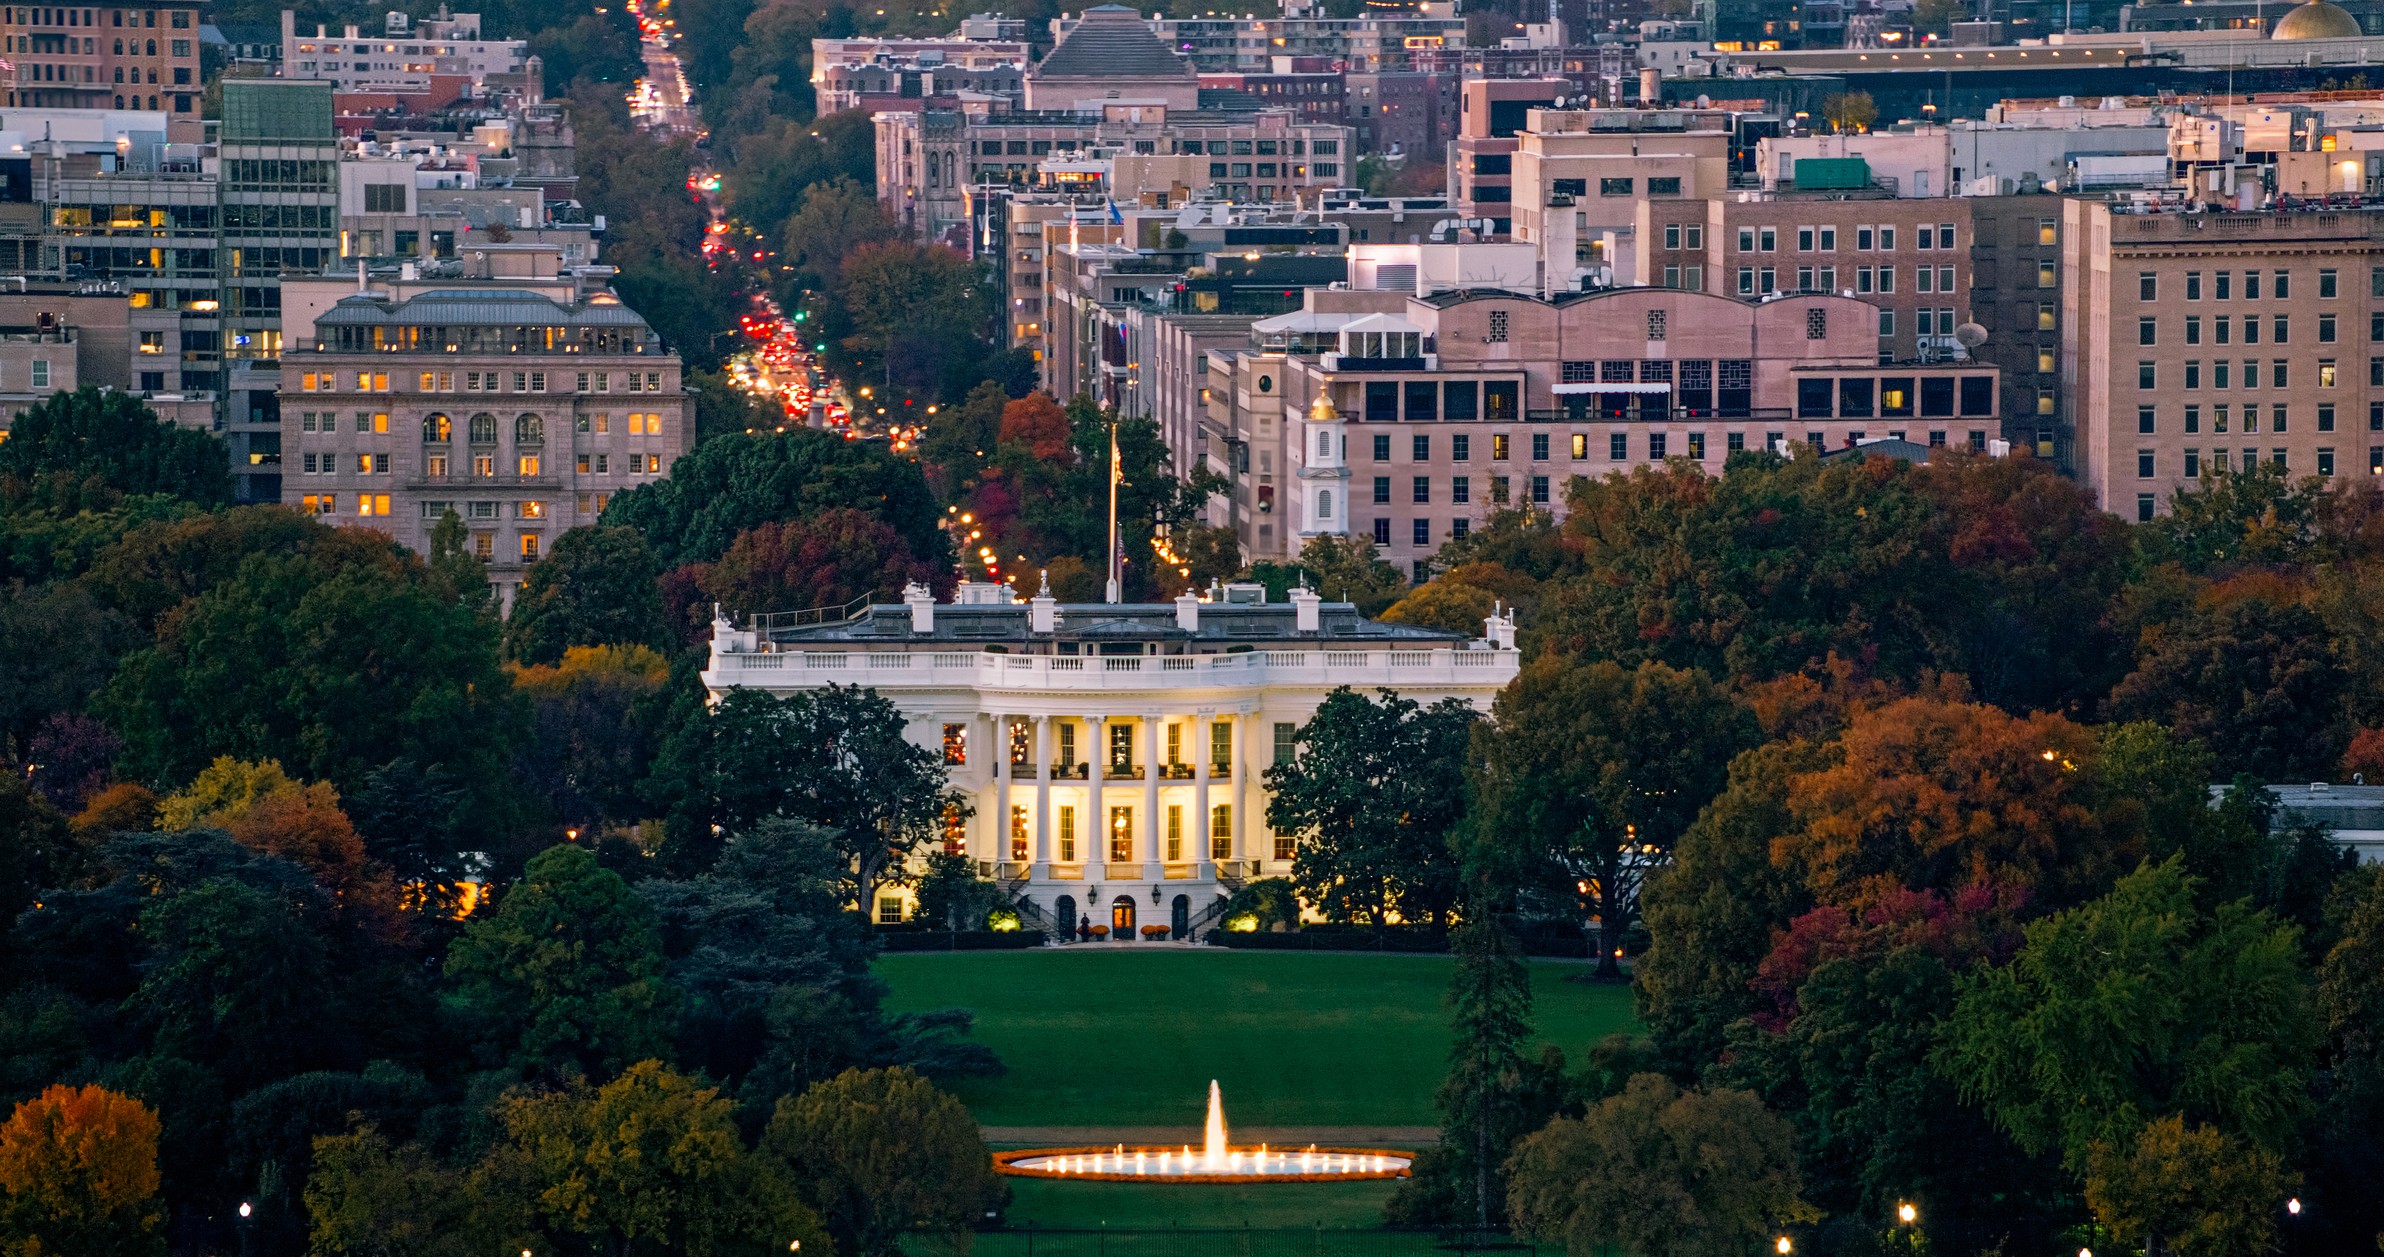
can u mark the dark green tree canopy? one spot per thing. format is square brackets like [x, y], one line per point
[87, 449]
[1373, 793]
[735, 482]
[595, 588]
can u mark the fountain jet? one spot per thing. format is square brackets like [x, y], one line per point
[1212, 1149]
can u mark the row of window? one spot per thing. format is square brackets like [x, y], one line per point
[2222, 328]
[484, 466]
[2221, 374]
[1825, 239]
[474, 512]
[2148, 464]
[1762, 281]
[1183, 147]
[2223, 285]
[438, 429]
[1419, 531]
[1121, 838]
[39, 16]
[1657, 185]
[476, 381]
[2280, 418]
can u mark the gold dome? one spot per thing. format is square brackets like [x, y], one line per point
[2317, 20]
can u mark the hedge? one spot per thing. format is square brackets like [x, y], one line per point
[959, 940]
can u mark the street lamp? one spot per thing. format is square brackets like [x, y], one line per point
[1906, 1214]
[2293, 1206]
[1783, 1246]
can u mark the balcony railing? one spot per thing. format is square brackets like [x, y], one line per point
[891, 670]
[1122, 772]
[1070, 772]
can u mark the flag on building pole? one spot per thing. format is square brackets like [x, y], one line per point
[1116, 555]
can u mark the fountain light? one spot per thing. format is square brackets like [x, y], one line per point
[1217, 1160]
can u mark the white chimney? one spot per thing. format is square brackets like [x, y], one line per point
[1043, 610]
[1187, 612]
[1307, 610]
[1499, 627]
[921, 600]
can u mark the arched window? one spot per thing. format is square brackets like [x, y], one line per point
[1324, 504]
[529, 430]
[484, 429]
[1324, 445]
[436, 430]
[152, 47]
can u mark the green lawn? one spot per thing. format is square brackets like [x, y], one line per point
[1048, 1219]
[1116, 1036]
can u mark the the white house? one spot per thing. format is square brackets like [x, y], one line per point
[1112, 752]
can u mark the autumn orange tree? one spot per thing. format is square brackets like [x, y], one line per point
[78, 1176]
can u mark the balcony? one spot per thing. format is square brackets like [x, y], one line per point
[893, 672]
[1071, 772]
[1122, 772]
[1021, 772]
[1176, 772]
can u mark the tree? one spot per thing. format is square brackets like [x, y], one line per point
[886, 285]
[238, 981]
[1446, 605]
[567, 973]
[834, 757]
[90, 448]
[78, 1176]
[1037, 423]
[835, 217]
[1588, 773]
[827, 560]
[1659, 1172]
[2253, 516]
[2251, 676]
[1931, 794]
[960, 440]
[881, 1153]
[2190, 1192]
[38, 849]
[367, 1198]
[1850, 112]
[1372, 795]
[331, 662]
[2137, 1006]
[1342, 569]
[596, 721]
[57, 646]
[1484, 1097]
[596, 588]
[650, 1163]
[265, 811]
[733, 483]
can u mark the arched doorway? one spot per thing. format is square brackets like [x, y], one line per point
[1121, 917]
[1179, 916]
[1063, 916]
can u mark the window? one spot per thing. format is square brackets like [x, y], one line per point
[1498, 327]
[2146, 420]
[1286, 742]
[1616, 187]
[2193, 464]
[2144, 506]
[1461, 489]
[2325, 373]
[2193, 285]
[2145, 332]
[1498, 445]
[889, 909]
[41, 373]
[2145, 375]
[2277, 329]
[1382, 448]
[1382, 488]
[1655, 447]
[2283, 286]
[1423, 488]
[1618, 446]
[1539, 489]
[1382, 532]
[1421, 532]
[2193, 372]
[2147, 283]
[1422, 447]
[2326, 417]
[2143, 464]
[1580, 446]
[2044, 316]
[2325, 329]
[1221, 831]
[1817, 323]
[1461, 447]
[956, 744]
[1539, 447]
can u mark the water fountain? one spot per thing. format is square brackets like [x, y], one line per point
[1215, 1162]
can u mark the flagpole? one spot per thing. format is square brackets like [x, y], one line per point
[1113, 487]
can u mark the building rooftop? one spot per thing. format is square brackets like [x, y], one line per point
[1112, 41]
[480, 306]
[1218, 625]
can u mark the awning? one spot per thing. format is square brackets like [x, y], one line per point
[1562, 390]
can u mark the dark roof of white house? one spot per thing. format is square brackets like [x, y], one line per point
[1112, 41]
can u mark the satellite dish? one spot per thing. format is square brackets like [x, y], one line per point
[1970, 336]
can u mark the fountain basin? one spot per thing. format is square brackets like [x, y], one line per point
[1184, 1164]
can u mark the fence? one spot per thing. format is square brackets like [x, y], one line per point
[1232, 1242]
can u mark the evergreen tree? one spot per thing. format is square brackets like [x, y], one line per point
[1487, 1097]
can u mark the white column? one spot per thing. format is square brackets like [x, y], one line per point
[1098, 726]
[1155, 854]
[1241, 787]
[1003, 789]
[1042, 753]
[1200, 784]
